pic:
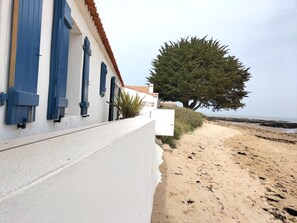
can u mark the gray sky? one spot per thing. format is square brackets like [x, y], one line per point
[261, 33]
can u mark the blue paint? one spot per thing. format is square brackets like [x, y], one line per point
[85, 78]
[111, 99]
[62, 23]
[103, 79]
[3, 98]
[118, 112]
[21, 98]
[22, 95]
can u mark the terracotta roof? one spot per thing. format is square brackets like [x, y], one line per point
[92, 9]
[143, 89]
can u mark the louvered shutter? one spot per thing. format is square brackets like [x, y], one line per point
[62, 23]
[85, 80]
[111, 99]
[103, 79]
[119, 95]
[25, 52]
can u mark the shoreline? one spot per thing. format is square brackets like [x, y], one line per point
[223, 172]
[261, 122]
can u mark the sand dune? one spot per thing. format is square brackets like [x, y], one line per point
[223, 173]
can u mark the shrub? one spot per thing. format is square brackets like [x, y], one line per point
[128, 106]
[186, 120]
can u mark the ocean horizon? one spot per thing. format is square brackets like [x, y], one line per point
[286, 119]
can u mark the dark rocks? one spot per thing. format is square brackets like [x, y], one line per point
[290, 211]
[271, 199]
[190, 201]
[268, 123]
[279, 124]
[210, 187]
[265, 209]
[242, 153]
[268, 189]
[278, 215]
[280, 196]
[277, 139]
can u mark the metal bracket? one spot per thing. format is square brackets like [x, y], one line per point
[23, 125]
[3, 98]
[58, 120]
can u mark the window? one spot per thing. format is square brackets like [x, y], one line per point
[103, 79]
[25, 52]
[74, 73]
[62, 23]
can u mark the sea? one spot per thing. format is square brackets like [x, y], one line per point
[293, 120]
[290, 131]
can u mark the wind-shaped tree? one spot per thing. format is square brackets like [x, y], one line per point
[199, 73]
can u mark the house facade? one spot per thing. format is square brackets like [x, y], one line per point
[57, 67]
[164, 118]
[60, 158]
[146, 93]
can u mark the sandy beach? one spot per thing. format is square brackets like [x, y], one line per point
[223, 172]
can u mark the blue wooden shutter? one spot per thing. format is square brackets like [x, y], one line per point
[25, 45]
[111, 99]
[85, 80]
[62, 23]
[103, 79]
[119, 94]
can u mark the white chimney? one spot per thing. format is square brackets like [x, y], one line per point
[151, 88]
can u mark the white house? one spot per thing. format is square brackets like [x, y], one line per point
[147, 94]
[164, 118]
[60, 158]
[57, 67]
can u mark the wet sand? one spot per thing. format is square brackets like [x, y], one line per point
[228, 173]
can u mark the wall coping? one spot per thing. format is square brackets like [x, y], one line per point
[27, 161]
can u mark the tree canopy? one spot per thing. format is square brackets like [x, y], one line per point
[199, 73]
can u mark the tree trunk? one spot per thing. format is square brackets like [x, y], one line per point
[198, 106]
[185, 104]
[193, 104]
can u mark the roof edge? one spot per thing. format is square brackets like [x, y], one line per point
[96, 19]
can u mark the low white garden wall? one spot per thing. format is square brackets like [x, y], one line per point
[105, 173]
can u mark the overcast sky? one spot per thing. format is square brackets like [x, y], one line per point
[261, 33]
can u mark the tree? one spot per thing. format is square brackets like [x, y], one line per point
[199, 73]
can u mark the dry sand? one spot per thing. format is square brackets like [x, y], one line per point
[227, 173]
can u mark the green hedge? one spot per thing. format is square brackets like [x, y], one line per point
[186, 120]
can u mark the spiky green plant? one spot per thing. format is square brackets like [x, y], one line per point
[128, 105]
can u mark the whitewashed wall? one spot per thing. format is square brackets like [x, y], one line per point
[150, 101]
[164, 119]
[5, 34]
[102, 173]
[84, 26]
